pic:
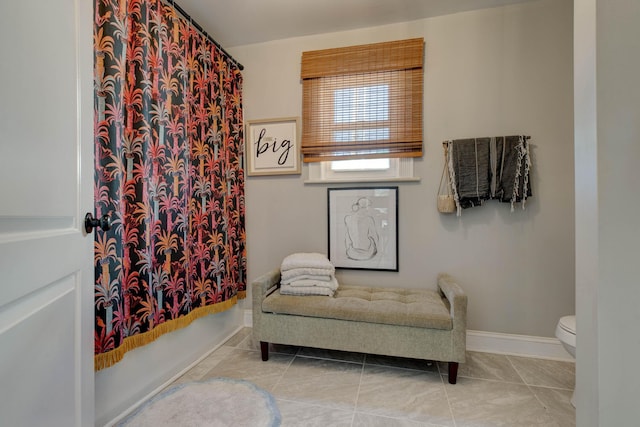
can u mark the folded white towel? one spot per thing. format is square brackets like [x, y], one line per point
[306, 259]
[319, 277]
[306, 290]
[306, 271]
[306, 283]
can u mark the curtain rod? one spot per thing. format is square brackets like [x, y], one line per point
[203, 32]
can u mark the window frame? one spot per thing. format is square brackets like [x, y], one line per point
[401, 169]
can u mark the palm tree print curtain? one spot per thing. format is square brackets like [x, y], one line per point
[168, 169]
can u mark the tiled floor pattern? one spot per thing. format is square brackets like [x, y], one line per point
[324, 388]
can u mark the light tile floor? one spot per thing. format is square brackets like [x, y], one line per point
[323, 388]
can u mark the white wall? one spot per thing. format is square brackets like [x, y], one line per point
[586, 170]
[491, 72]
[618, 95]
[143, 370]
[607, 101]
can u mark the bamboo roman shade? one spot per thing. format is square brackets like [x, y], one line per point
[363, 101]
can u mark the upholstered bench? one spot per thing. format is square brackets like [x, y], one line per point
[414, 323]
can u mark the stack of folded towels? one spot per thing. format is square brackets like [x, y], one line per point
[307, 274]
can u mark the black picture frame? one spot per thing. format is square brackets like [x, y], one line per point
[363, 228]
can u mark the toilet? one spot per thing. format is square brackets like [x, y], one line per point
[566, 333]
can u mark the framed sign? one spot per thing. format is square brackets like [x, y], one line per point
[363, 228]
[273, 146]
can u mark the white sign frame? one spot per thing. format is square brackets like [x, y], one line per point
[273, 146]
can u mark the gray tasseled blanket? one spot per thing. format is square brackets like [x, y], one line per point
[489, 168]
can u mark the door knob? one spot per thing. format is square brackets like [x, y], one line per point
[90, 222]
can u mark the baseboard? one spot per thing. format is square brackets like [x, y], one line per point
[494, 342]
[517, 345]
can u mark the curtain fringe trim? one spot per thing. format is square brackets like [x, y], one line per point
[110, 358]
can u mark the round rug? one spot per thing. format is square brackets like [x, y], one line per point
[216, 402]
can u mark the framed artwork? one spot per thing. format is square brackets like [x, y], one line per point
[363, 228]
[273, 146]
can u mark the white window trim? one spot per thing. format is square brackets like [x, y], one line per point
[401, 169]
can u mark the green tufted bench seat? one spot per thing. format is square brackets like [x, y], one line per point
[414, 323]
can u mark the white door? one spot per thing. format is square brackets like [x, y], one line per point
[46, 186]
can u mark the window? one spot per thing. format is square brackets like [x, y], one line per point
[360, 165]
[363, 102]
[361, 113]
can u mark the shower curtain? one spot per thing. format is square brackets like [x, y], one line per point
[168, 171]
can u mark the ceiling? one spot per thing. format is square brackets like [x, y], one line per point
[239, 22]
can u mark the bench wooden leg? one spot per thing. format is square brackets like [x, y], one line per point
[453, 372]
[264, 350]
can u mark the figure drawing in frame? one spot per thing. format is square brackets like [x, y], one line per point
[363, 228]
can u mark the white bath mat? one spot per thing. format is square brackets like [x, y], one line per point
[218, 402]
